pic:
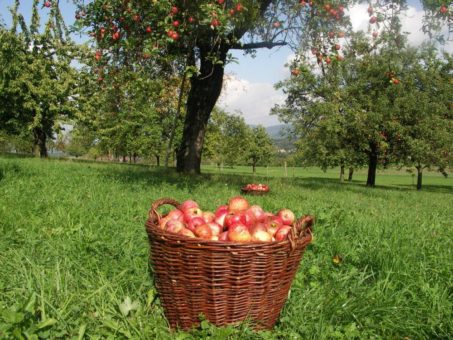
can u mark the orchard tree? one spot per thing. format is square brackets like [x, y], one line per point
[36, 78]
[201, 33]
[423, 127]
[228, 139]
[260, 150]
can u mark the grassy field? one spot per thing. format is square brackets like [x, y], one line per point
[73, 251]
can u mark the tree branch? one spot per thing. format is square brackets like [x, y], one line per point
[262, 44]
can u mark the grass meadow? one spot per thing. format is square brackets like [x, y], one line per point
[73, 251]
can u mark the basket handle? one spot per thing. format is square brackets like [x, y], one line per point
[302, 227]
[154, 213]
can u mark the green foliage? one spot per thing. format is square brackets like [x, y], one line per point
[74, 253]
[261, 150]
[37, 80]
[227, 139]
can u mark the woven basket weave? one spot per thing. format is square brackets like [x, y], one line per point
[226, 282]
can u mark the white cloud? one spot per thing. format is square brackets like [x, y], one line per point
[411, 21]
[252, 100]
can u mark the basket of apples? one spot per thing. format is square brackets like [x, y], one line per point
[231, 265]
[255, 189]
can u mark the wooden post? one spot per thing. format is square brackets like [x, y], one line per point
[286, 170]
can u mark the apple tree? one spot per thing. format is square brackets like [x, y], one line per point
[201, 34]
[423, 128]
[36, 78]
[260, 150]
[228, 139]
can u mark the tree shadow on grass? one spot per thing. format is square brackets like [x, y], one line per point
[154, 176]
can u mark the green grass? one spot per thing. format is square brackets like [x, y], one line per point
[73, 251]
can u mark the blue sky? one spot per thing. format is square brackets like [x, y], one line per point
[249, 89]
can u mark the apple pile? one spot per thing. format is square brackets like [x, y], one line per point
[235, 222]
[255, 187]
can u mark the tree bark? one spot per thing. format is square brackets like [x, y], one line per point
[175, 120]
[351, 172]
[342, 173]
[419, 177]
[372, 165]
[204, 92]
[254, 167]
[157, 160]
[40, 142]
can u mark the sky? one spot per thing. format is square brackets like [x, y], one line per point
[249, 83]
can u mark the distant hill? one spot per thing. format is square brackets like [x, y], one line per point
[279, 138]
[276, 131]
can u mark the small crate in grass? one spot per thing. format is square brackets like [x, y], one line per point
[226, 282]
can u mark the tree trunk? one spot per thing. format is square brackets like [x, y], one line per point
[157, 160]
[351, 172]
[175, 120]
[372, 165]
[204, 92]
[342, 173]
[419, 177]
[254, 167]
[40, 142]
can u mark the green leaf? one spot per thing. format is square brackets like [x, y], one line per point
[48, 323]
[127, 306]
[12, 316]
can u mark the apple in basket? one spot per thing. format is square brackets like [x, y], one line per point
[176, 214]
[174, 226]
[191, 213]
[203, 231]
[186, 232]
[239, 233]
[282, 233]
[258, 212]
[189, 204]
[195, 222]
[287, 216]
[237, 204]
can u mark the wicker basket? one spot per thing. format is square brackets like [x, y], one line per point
[246, 191]
[226, 282]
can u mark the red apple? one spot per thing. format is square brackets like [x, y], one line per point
[282, 233]
[116, 35]
[203, 231]
[261, 236]
[239, 233]
[194, 222]
[233, 219]
[287, 216]
[175, 23]
[47, 4]
[188, 205]
[276, 24]
[258, 212]
[174, 10]
[258, 227]
[373, 20]
[274, 221]
[176, 214]
[163, 221]
[215, 228]
[191, 213]
[220, 218]
[249, 219]
[174, 226]
[187, 232]
[220, 2]
[239, 7]
[237, 204]
[208, 216]
[148, 29]
[223, 236]
[443, 9]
